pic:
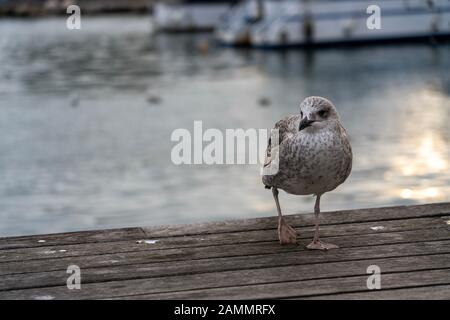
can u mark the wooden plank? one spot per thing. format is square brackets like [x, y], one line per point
[222, 251]
[301, 220]
[436, 292]
[305, 233]
[239, 259]
[193, 278]
[246, 267]
[310, 288]
[59, 239]
[139, 289]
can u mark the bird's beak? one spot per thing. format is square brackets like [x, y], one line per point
[305, 123]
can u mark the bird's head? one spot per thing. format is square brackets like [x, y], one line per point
[317, 112]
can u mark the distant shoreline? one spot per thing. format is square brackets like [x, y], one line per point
[91, 14]
[31, 10]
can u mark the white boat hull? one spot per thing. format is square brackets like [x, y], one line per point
[342, 21]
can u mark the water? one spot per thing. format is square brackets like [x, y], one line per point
[81, 147]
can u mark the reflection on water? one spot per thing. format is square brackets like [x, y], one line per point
[428, 157]
[85, 144]
[420, 168]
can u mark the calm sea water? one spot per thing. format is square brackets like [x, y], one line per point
[81, 147]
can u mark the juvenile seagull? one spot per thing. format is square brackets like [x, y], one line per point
[314, 157]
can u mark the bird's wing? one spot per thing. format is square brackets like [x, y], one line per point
[347, 149]
[284, 127]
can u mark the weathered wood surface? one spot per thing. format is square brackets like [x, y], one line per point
[240, 259]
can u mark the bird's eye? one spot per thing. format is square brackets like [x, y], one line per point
[323, 113]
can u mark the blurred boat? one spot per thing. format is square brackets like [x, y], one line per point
[236, 26]
[287, 23]
[190, 15]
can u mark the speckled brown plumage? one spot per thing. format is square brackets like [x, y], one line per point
[311, 161]
[315, 156]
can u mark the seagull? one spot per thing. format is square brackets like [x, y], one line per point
[313, 156]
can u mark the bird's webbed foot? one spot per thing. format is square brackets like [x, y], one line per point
[286, 233]
[319, 245]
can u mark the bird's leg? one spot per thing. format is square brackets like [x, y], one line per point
[286, 233]
[316, 243]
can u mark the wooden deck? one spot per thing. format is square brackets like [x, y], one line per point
[240, 259]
